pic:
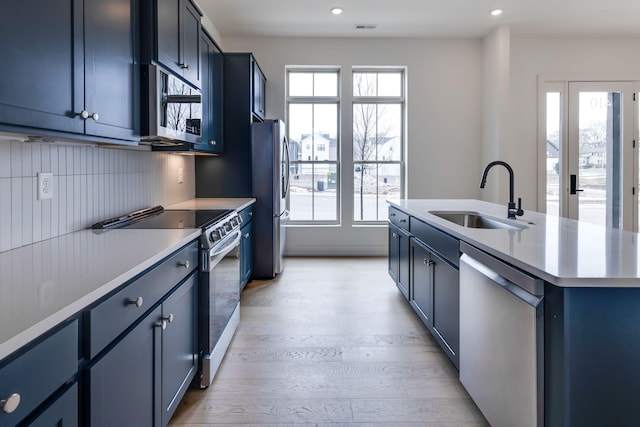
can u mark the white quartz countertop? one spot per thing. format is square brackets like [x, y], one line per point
[43, 284]
[564, 252]
[215, 203]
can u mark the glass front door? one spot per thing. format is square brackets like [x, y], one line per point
[600, 181]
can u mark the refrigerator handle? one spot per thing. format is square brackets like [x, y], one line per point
[285, 190]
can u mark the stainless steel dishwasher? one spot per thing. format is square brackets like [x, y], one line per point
[501, 339]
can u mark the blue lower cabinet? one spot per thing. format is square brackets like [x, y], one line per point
[179, 345]
[246, 254]
[122, 384]
[140, 380]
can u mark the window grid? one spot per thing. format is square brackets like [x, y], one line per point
[312, 165]
[363, 162]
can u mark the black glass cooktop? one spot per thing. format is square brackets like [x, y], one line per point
[160, 218]
[181, 219]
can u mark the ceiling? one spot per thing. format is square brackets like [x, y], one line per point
[424, 18]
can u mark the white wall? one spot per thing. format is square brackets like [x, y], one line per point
[530, 57]
[444, 120]
[495, 106]
[90, 184]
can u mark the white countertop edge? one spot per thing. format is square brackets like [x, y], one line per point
[27, 336]
[460, 233]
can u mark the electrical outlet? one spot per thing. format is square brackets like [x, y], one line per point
[45, 186]
[180, 175]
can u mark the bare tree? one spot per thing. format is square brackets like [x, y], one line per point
[366, 129]
[593, 136]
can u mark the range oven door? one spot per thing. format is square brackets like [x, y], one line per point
[219, 303]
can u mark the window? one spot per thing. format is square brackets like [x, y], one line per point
[376, 155]
[312, 119]
[378, 134]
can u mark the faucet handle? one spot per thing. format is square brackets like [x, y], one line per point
[520, 212]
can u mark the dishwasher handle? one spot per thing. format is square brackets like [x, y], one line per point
[528, 288]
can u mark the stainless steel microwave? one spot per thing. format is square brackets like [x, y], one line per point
[172, 109]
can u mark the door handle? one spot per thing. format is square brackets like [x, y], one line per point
[573, 185]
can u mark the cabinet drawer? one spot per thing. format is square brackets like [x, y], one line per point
[399, 218]
[111, 317]
[446, 246]
[39, 372]
[246, 214]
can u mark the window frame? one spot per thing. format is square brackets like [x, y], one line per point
[381, 100]
[317, 100]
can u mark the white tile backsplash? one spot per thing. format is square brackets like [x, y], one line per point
[90, 184]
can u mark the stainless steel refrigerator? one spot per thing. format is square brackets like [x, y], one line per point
[270, 170]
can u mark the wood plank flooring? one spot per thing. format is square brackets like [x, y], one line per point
[330, 342]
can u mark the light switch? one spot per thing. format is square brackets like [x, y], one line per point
[180, 175]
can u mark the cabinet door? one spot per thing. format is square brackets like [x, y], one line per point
[211, 84]
[246, 254]
[124, 385]
[421, 283]
[259, 83]
[41, 70]
[63, 412]
[111, 83]
[446, 306]
[394, 252]
[404, 260]
[168, 46]
[216, 70]
[179, 349]
[190, 42]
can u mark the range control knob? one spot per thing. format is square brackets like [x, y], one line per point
[214, 236]
[240, 221]
[228, 226]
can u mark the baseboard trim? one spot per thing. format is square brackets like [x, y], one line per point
[336, 250]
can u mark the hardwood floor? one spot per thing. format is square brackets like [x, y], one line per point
[330, 341]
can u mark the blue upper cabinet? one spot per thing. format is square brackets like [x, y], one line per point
[172, 37]
[68, 69]
[212, 102]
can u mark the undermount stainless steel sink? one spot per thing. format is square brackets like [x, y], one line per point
[477, 220]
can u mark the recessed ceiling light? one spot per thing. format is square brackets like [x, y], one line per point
[496, 12]
[336, 10]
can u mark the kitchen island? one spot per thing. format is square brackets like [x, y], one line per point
[585, 321]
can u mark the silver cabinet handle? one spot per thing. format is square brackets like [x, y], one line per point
[403, 220]
[95, 117]
[169, 318]
[184, 264]
[161, 324]
[183, 65]
[245, 235]
[394, 235]
[425, 261]
[10, 404]
[137, 302]
[212, 142]
[84, 114]
[430, 263]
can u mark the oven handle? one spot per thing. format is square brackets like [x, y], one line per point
[227, 246]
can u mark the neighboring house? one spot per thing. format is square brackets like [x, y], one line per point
[593, 157]
[318, 147]
[294, 154]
